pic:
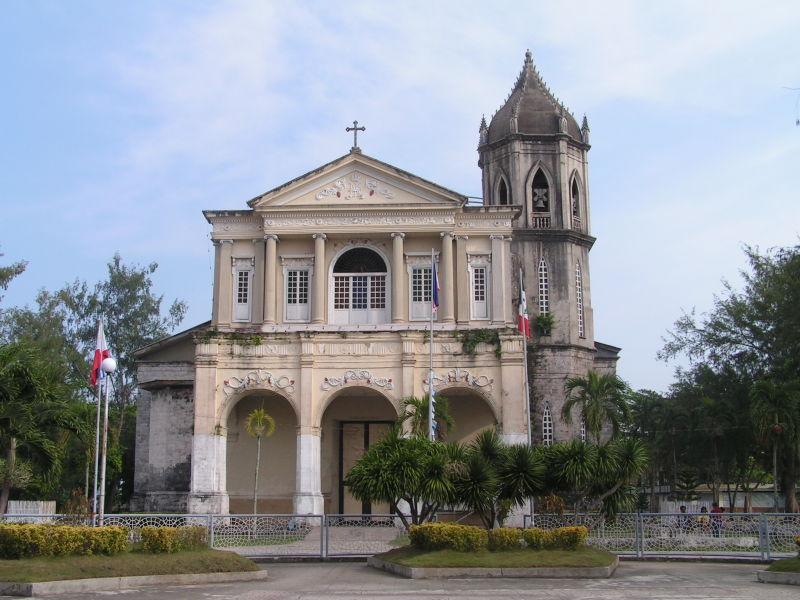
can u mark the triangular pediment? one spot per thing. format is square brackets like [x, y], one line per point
[353, 180]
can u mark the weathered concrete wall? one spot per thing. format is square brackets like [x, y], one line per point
[164, 427]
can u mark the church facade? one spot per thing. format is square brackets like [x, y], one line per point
[321, 315]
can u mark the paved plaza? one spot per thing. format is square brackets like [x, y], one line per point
[633, 581]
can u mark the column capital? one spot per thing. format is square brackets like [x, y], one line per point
[398, 234]
[498, 237]
[224, 241]
[270, 236]
[319, 236]
[444, 234]
[461, 236]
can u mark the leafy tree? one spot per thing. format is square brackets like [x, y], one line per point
[775, 411]
[406, 471]
[415, 412]
[494, 477]
[34, 404]
[9, 272]
[601, 399]
[63, 324]
[259, 424]
[754, 332]
[597, 478]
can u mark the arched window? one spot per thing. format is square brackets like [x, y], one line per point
[359, 288]
[503, 196]
[575, 193]
[540, 193]
[579, 298]
[544, 288]
[547, 425]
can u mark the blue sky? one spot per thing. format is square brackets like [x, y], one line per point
[120, 122]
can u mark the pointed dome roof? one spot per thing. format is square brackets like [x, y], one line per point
[532, 109]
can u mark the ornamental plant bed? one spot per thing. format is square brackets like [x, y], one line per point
[521, 558]
[125, 564]
[788, 565]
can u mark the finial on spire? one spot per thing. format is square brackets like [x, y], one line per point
[585, 130]
[528, 57]
[585, 123]
[483, 123]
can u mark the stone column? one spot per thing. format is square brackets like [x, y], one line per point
[498, 279]
[258, 281]
[320, 287]
[225, 296]
[447, 281]
[308, 498]
[270, 279]
[216, 284]
[462, 280]
[399, 290]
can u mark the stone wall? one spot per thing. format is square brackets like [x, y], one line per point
[164, 427]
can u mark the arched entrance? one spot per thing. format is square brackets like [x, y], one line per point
[276, 480]
[471, 414]
[360, 288]
[355, 418]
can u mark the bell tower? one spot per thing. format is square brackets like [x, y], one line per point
[533, 154]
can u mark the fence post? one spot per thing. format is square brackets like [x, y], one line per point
[210, 530]
[762, 536]
[323, 538]
[639, 537]
[766, 537]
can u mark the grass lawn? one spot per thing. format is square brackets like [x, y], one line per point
[585, 557]
[787, 565]
[122, 565]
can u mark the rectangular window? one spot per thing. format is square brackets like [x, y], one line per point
[420, 306]
[377, 295]
[297, 285]
[341, 292]
[241, 294]
[579, 299]
[359, 286]
[480, 307]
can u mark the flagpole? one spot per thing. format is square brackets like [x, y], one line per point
[96, 454]
[431, 428]
[526, 386]
[105, 452]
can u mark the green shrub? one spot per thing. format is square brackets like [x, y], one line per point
[26, 540]
[441, 536]
[158, 540]
[562, 538]
[536, 539]
[569, 538]
[505, 538]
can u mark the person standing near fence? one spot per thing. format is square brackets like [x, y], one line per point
[716, 519]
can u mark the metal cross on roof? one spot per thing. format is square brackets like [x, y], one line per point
[355, 129]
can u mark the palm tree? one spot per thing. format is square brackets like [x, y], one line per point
[602, 399]
[775, 410]
[259, 424]
[35, 409]
[415, 410]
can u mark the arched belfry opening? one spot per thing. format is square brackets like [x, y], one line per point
[575, 194]
[360, 288]
[540, 193]
[503, 195]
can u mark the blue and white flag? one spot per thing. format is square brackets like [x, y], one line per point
[434, 287]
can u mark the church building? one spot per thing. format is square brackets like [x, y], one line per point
[321, 312]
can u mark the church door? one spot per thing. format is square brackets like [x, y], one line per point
[354, 439]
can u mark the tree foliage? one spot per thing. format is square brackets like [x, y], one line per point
[601, 399]
[63, 326]
[9, 272]
[749, 343]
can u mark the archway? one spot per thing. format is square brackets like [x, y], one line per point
[470, 411]
[354, 418]
[276, 481]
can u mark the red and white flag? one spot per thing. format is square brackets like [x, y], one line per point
[100, 352]
[523, 322]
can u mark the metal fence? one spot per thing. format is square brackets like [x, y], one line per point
[751, 535]
[763, 536]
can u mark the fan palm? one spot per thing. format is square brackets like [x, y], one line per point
[601, 399]
[259, 424]
[415, 411]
